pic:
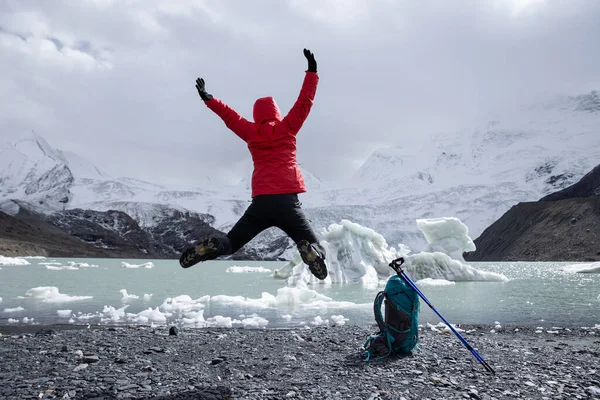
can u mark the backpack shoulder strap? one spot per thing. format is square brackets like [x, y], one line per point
[377, 310]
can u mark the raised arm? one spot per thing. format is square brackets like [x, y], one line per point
[301, 108]
[234, 121]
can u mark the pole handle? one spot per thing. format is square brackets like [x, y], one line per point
[396, 265]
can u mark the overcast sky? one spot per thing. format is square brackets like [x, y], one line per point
[114, 80]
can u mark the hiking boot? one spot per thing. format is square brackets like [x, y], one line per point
[206, 250]
[313, 258]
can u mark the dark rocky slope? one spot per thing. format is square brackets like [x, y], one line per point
[563, 226]
[29, 234]
[588, 186]
[114, 234]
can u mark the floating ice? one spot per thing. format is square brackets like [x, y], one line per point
[14, 310]
[356, 254]
[359, 251]
[593, 268]
[183, 310]
[50, 263]
[434, 282]
[109, 313]
[148, 264]
[339, 320]
[82, 264]
[319, 321]
[441, 266]
[61, 267]
[148, 315]
[244, 269]
[12, 321]
[126, 296]
[183, 304]
[253, 322]
[147, 297]
[13, 261]
[50, 294]
[64, 313]
[442, 258]
[286, 297]
[446, 235]
[0, 299]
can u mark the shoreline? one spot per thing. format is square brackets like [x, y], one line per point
[140, 362]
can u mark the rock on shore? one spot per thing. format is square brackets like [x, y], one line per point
[321, 363]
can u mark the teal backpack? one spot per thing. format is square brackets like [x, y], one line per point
[399, 330]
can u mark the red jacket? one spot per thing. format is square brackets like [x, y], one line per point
[271, 139]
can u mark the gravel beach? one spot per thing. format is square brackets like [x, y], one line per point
[140, 362]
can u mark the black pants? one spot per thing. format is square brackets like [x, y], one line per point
[280, 210]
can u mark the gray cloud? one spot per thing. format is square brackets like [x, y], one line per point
[114, 82]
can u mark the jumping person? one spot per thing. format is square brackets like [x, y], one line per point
[276, 179]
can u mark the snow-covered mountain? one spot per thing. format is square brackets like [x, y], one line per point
[475, 175]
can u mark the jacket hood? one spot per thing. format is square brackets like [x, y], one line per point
[266, 109]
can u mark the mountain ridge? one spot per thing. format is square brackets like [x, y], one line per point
[476, 175]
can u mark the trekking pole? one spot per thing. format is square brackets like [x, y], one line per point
[396, 266]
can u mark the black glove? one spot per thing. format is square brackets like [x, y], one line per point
[312, 64]
[202, 90]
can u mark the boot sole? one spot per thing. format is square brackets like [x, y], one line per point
[196, 254]
[315, 263]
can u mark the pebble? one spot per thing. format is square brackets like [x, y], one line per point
[317, 363]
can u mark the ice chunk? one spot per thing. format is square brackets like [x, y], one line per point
[356, 254]
[434, 282]
[317, 321]
[148, 264]
[593, 268]
[64, 313]
[127, 297]
[148, 315]
[14, 309]
[245, 269]
[254, 322]
[50, 294]
[446, 235]
[111, 314]
[13, 261]
[339, 320]
[61, 267]
[441, 266]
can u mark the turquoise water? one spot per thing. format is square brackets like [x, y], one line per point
[537, 294]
